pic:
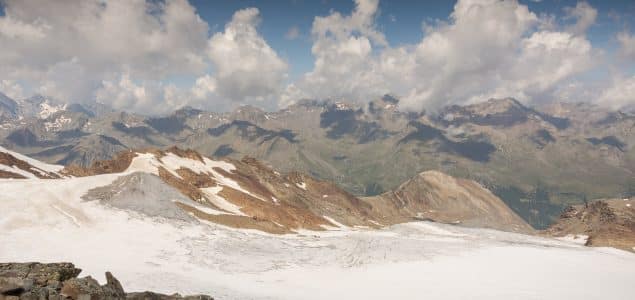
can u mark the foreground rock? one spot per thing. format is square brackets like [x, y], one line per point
[60, 281]
[604, 223]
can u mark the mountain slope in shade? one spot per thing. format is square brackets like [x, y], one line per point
[8, 108]
[602, 223]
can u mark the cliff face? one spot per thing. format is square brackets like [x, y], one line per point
[60, 281]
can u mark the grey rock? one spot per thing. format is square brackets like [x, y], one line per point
[57, 281]
[143, 193]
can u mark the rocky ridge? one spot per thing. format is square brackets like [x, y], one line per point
[602, 223]
[31, 281]
[184, 185]
[17, 166]
[248, 194]
[433, 195]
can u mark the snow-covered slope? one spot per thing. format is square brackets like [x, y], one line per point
[247, 194]
[144, 221]
[400, 262]
[242, 194]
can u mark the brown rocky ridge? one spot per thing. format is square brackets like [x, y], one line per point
[248, 194]
[438, 197]
[9, 160]
[604, 223]
[27, 281]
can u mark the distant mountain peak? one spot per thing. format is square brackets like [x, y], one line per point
[248, 108]
[339, 105]
[390, 99]
[497, 105]
[189, 109]
[36, 99]
[8, 106]
[493, 112]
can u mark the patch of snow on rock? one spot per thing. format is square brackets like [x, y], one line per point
[57, 124]
[220, 202]
[46, 109]
[16, 170]
[144, 162]
[33, 162]
[336, 223]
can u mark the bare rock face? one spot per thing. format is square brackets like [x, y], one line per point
[118, 164]
[59, 281]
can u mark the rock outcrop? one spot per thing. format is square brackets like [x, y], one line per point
[59, 281]
[605, 223]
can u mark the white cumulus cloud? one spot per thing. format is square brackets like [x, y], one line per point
[126, 52]
[620, 94]
[11, 89]
[583, 14]
[486, 48]
[246, 68]
[627, 45]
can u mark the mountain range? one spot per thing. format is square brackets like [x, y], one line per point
[537, 159]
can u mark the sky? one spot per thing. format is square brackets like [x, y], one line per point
[154, 56]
